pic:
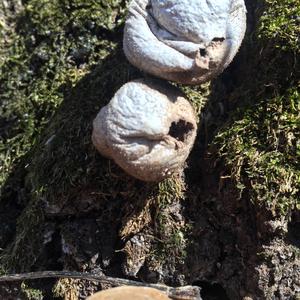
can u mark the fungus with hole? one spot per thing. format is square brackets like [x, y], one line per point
[148, 129]
[129, 293]
[181, 40]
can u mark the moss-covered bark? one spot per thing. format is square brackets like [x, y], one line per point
[230, 219]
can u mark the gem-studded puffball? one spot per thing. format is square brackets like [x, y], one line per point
[187, 41]
[148, 129]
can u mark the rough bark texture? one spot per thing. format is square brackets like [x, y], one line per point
[231, 225]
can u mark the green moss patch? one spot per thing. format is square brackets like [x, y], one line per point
[260, 142]
[263, 151]
[281, 22]
[53, 45]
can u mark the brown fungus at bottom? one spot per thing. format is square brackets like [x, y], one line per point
[129, 293]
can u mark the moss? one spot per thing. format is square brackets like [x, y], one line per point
[63, 64]
[63, 162]
[262, 150]
[198, 96]
[280, 22]
[66, 289]
[29, 238]
[52, 46]
[169, 231]
[260, 142]
[2, 271]
[30, 293]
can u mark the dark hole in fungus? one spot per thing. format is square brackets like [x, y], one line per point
[217, 39]
[148, 6]
[203, 52]
[179, 130]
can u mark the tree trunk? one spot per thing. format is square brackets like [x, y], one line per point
[229, 224]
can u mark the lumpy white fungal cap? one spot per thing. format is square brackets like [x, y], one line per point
[138, 129]
[184, 41]
[198, 21]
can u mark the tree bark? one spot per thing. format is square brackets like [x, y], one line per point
[65, 207]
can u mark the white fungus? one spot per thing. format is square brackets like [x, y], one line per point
[148, 129]
[182, 40]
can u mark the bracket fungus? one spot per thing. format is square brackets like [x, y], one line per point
[148, 129]
[129, 293]
[184, 41]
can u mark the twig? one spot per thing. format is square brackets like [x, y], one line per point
[180, 293]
